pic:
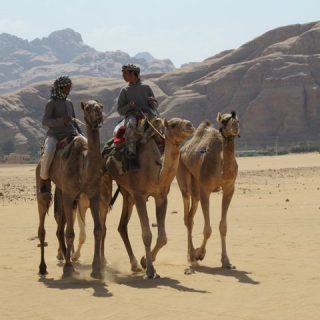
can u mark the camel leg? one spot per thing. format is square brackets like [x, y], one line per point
[81, 217]
[68, 209]
[43, 208]
[96, 263]
[161, 210]
[187, 188]
[105, 199]
[59, 216]
[146, 234]
[226, 199]
[204, 200]
[126, 213]
[104, 208]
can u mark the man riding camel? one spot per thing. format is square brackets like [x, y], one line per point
[59, 117]
[136, 100]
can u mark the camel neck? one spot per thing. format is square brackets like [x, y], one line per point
[170, 162]
[228, 154]
[94, 153]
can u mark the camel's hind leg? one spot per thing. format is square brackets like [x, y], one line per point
[126, 213]
[68, 209]
[43, 207]
[226, 199]
[204, 199]
[189, 191]
[61, 222]
[146, 234]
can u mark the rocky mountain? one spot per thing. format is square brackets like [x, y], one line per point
[63, 52]
[272, 82]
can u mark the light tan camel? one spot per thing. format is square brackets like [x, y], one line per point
[207, 164]
[154, 179]
[75, 170]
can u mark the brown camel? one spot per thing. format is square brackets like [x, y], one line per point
[75, 170]
[207, 164]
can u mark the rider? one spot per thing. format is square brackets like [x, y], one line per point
[135, 100]
[59, 117]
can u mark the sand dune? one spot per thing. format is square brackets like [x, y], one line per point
[273, 240]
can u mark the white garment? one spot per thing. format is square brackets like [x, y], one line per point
[47, 156]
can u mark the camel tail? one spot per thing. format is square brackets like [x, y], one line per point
[114, 198]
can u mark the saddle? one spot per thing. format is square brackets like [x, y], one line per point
[114, 150]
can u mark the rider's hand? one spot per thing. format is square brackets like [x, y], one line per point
[66, 120]
[152, 101]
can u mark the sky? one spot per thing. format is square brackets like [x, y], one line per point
[180, 30]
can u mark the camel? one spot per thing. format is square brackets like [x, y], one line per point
[76, 172]
[155, 176]
[208, 164]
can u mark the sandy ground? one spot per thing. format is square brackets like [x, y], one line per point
[273, 240]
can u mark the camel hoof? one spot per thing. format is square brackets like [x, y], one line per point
[96, 275]
[68, 271]
[143, 262]
[151, 276]
[60, 256]
[189, 271]
[43, 269]
[135, 268]
[200, 254]
[228, 266]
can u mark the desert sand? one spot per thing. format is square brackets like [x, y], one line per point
[273, 240]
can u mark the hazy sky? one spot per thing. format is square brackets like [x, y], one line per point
[183, 31]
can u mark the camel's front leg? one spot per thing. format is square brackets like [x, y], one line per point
[81, 217]
[59, 216]
[204, 199]
[226, 199]
[146, 234]
[127, 207]
[43, 207]
[161, 210]
[105, 199]
[68, 210]
[96, 263]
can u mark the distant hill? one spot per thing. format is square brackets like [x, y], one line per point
[63, 52]
[272, 82]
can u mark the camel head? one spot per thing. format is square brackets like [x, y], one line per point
[229, 125]
[92, 113]
[178, 130]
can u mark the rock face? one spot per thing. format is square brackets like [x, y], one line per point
[63, 52]
[272, 82]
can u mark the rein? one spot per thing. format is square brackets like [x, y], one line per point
[152, 126]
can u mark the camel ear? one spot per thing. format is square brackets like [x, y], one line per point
[165, 123]
[219, 117]
[82, 105]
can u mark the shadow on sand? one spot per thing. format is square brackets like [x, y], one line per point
[77, 281]
[98, 286]
[241, 276]
[137, 281]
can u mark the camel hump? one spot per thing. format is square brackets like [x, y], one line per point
[78, 143]
[202, 128]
